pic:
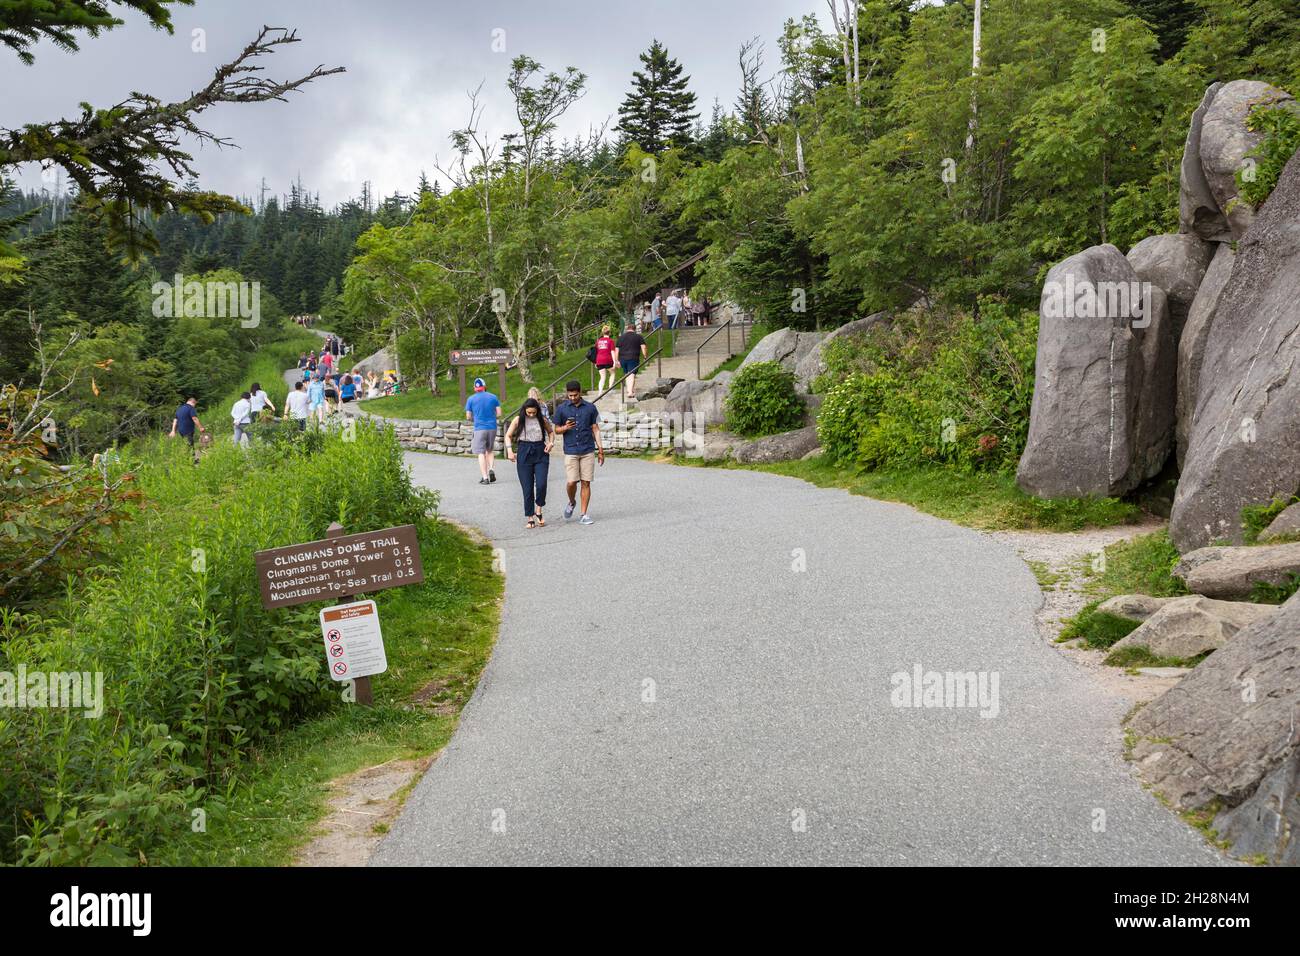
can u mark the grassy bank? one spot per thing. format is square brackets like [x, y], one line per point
[984, 500]
[438, 636]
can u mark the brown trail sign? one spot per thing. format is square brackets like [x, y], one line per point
[501, 358]
[339, 568]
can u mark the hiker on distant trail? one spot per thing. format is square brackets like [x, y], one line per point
[579, 422]
[241, 414]
[656, 312]
[535, 436]
[326, 362]
[316, 399]
[260, 401]
[331, 393]
[629, 352]
[673, 308]
[348, 389]
[484, 410]
[298, 406]
[184, 423]
[605, 359]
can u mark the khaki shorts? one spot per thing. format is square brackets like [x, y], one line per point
[580, 467]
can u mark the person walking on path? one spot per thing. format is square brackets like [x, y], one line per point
[605, 359]
[629, 352]
[673, 307]
[240, 414]
[579, 422]
[184, 423]
[298, 406]
[484, 410]
[260, 400]
[535, 436]
[316, 399]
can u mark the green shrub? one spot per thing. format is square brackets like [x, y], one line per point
[1280, 126]
[195, 670]
[1097, 629]
[762, 400]
[932, 388]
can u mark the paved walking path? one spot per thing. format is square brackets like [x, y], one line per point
[770, 700]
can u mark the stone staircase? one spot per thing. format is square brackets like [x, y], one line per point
[682, 364]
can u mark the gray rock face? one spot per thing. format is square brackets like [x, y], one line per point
[1103, 411]
[703, 400]
[1267, 824]
[1232, 573]
[1285, 526]
[1225, 141]
[1227, 728]
[1133, 607]
[1177, 264]
[1191, 344]
[813, 364]
[662, 388]
[718, 446]
[1244, 442]
[785, 346]
[787, 446]
[379, 363]
[1188, 626]
[1198, 213]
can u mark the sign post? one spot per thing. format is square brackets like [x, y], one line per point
[342, 568]
[501, 358]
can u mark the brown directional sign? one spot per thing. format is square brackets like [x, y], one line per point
[332, 568]
[481, 357]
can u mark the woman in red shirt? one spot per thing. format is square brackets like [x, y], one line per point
[605, 359]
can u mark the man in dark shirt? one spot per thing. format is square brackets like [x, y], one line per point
[579, 422]
[185, 421]
[629, 350]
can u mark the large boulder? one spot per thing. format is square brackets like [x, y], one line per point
[1226, 732]
[704, 400]
[1103, 411]
[814, 363]
[1285, 526]
[1198, 212]
[787, 446]
[786, 346]
[1191, 344]
[379, 363]
[1244, 441]
[1186, 627]
[1133, 607]
[1232, 573]
[1225, 141]
[1177, 264]
[662, 388]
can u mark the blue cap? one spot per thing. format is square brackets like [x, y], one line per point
[479, 383]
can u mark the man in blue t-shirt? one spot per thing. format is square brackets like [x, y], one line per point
[184, 422]
[579, 422]
[484, 410]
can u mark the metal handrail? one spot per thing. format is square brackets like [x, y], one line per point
[725, 325]
[549, 389]
[564, 338]
[656, 356]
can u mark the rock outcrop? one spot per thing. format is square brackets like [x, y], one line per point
[1103, 411]
[787, 446]
[1226, 732]
[786, 346]
[1231, 573]
[1198, 213]
[379, 363]
[1191, 344]
[814, 364]
[1284, 527]
[1225, 143]
[1133, 607]
[704, 400]
[1177, 264]
[1186, 627]
[1244, 441]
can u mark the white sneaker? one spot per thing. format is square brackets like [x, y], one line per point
[585, 519]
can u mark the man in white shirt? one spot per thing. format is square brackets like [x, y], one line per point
[240, 414]
[297, 403]
[673, 307]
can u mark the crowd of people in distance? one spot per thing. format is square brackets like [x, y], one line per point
[674, 309]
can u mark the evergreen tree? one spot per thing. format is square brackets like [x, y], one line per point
[659, 111]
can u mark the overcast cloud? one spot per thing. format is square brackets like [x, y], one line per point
[409, 67]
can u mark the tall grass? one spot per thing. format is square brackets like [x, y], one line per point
[195, 670]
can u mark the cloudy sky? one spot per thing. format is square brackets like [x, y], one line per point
[409, 66]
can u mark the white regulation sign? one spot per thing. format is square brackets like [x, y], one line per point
[353, 645]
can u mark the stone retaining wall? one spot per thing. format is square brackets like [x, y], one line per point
[633, 433]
